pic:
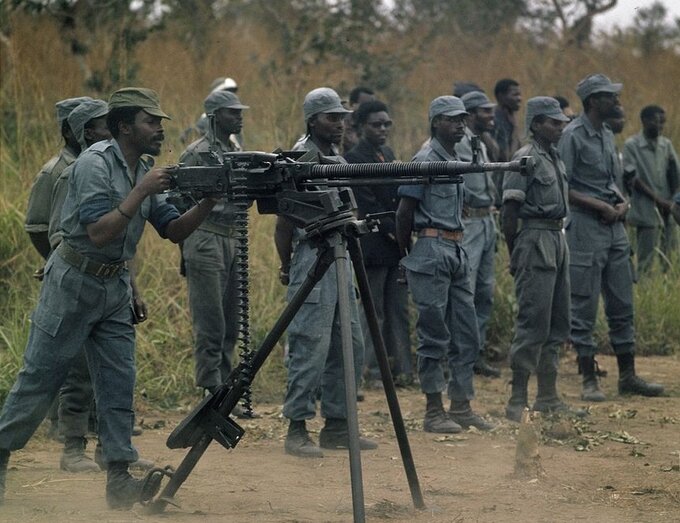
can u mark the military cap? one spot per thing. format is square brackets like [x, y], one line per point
[461, 88]
[142, 97]
[475, 99]
[223, 84]
[222, 99]
[596, 83]
[322, 100]
[446, 105]
[86, 111]
[543, 105]
[64, 107]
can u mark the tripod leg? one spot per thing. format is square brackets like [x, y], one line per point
[341, 264]
[383, 363]
[323, 261]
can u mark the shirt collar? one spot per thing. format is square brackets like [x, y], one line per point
[439, 149]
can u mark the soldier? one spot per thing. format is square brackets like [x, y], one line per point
[315, 350]
[209, 256]
[506, 133]
[651, 172]
[380, 249]
[534, 208]
[85, 299]
[438, 277]
[479, 224]
[352, 134]
[598, 244]
[38, 211]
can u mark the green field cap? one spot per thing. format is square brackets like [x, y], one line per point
[322, 100]
[222, 100]
[596, 83]
[86, 111]
[64, 107]
[446, 105]
[475, 99]
[142, 97]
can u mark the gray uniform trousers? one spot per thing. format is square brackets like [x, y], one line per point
[75, 399]
[391, 306]
[600, 263]
[76, 310]
[539, 264]
[211, 279]
[479, 243]
[439, 280]
[315, 347]
[648, 239]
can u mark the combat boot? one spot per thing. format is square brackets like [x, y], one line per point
[74, 459]
[123, 491]
[139, 464]
[334, 435]
[591, 389]
[461, 413]
[482, 368]
[299, 443]
[630, 383]
[436, 419]
[547, 399]
[519, 396]
[4, 463]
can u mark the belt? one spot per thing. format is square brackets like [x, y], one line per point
[476, 212]
[541, 223]
[428, 232]
[88, 266]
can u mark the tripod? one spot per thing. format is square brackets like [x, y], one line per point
[329, 223]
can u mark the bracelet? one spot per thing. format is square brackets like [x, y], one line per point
[124, 215]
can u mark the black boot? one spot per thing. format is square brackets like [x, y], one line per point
[461, 413]
[630, 383]
[591, 388]
[547, 399]
[298, 443]
[4, 463]
[123, 491]
[436, 419]
[334, 435]
[519, 397]
[482, 368]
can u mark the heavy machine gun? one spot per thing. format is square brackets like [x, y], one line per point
[314, 196]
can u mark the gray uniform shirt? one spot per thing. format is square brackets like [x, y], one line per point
[651, 161]
[440, 205]
[589, 156]
[479, 187]
[100, 181]
[544, 194]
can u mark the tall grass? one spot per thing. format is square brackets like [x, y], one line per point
[38, 70]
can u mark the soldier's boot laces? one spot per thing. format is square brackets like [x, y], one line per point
[591, 388]
[548, 400]
[4, 463]
[631, 383]
[519, 396]
[462, 414]
[123, 491]
[299, 443]
[436, 419]
[74, 459]
[334, 435]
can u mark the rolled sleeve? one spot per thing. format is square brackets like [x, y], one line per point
[92, 185]
[162, 213]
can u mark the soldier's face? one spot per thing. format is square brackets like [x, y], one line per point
[449, 129]
[512, 99]
[550, 130]
[147, 133]
[377, 128]
[328, 127]
[654, 126]
[607, 104]
[97, 131]
[481, 120]
[229, 121]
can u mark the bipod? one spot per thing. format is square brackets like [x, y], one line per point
[337, 242]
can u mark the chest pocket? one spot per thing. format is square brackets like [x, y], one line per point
[443, 198]
[590, 157]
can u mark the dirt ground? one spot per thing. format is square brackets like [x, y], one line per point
[620, 465]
